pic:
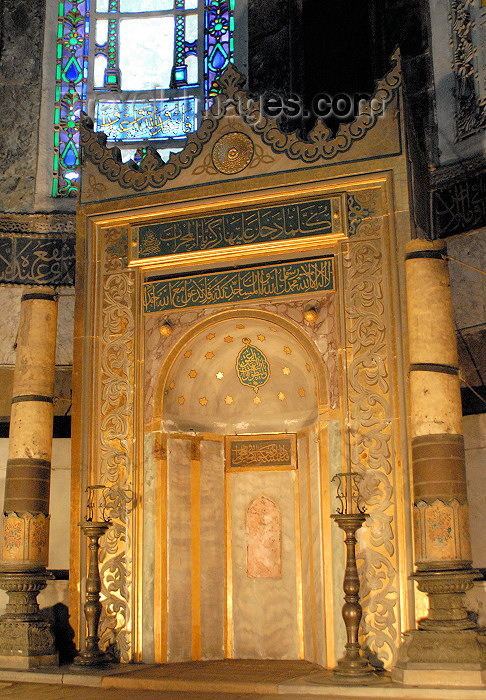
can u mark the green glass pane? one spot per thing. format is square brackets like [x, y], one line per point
[101, 31]
[191, 28]
[146, 52]
[145, 5]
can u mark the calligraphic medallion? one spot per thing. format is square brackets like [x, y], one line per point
[232, 153]
[252, 366]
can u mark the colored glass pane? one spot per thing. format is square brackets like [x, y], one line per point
[133, 54]
[71, 72]
[146, 52]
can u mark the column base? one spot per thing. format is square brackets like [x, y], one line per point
[26, 639]
[26, 644]
[442, 658]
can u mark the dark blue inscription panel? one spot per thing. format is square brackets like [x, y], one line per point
[264, 225]
[284, 279]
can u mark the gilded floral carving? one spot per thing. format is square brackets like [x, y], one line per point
[116, 452]
[370, 438]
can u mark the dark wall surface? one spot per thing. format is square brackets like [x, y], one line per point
[21, 40]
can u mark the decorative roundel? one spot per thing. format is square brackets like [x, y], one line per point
[232, 153]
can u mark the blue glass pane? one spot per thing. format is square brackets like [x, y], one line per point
[133, 121]
[146, 52]
[145, 5]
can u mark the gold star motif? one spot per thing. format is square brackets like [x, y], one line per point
[181, 400]
[240, 325]
[192, 373]
[188, 353]
[257, 400]
[261, 337]
[281, 395]
[228, 400]
[220, 375]
[209, 355]
[286, 370]
[172, 384]
[210, 336]
[288, 350]
[302, 391]
[228, 339]
[307, 366]
[203, 401]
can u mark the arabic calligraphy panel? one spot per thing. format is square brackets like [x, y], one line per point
[260, 452]
[131, 121]
[280, 223]
[284, 279]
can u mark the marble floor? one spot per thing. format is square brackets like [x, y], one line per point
[211, 680]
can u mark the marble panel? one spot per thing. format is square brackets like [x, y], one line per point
[475, 444]
[148, 552]
[65, 329]
[305, 544]
[264, 609]
[179, 634]
[315, 490]
[263, 539]
[338, 551]
[10, 305]
[468, 287]
[212, 550]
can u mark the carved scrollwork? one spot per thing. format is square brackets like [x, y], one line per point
[470, 110]
[116, 455]
[233, 100]
[370, 416]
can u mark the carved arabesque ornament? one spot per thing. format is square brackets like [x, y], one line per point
[234, 101]
[470, 110]
[370, 438]
[116, 440]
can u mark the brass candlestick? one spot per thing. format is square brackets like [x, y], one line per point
[92, 655]
[350, 516]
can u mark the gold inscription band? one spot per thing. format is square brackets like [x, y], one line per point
[32, 397]
[433, 367]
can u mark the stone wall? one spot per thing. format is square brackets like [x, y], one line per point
[21, 45]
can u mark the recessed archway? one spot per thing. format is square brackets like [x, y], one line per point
[254, 377]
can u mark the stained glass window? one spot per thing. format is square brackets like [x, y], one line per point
[145, 72]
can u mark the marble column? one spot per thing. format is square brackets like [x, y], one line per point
[25, 638]
[446, 643]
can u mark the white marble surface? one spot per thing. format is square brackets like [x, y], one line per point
[10, 306]
[10, 309]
